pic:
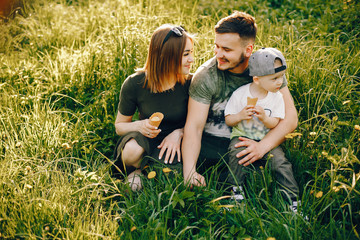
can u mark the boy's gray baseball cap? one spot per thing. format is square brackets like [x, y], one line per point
[261, 62]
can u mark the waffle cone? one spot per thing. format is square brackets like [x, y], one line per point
[156, 118]
[251, 101]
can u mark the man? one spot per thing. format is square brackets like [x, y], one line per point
[206, 134]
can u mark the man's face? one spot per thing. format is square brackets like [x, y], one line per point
[230, 52]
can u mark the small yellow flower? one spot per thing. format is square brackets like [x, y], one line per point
[151, 174]
[292, 135]
[133, 229]
[27, 170]
[166, 170]
[66, 146]
[319, 194]
[3, 135]
[271, 238]
[324, 153]
[289, 136]
[312, 133]
[357, 127]
[336, 189]
[311, 142]
[271, 155]
[47, 228]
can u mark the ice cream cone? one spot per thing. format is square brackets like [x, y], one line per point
[251, 101]
[156, 118]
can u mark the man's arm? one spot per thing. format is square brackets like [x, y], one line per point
[195, 122]
[256, 150]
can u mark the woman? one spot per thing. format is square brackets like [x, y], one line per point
[161, 86]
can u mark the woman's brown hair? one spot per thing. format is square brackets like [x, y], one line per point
[165, 58]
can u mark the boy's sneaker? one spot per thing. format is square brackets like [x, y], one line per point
[294, 206]
[237, 193]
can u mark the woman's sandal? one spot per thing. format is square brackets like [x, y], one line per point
[134, 180]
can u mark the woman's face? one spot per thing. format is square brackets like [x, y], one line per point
[187, 57]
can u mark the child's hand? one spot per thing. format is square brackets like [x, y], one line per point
[260, 113]
[246, 113]
[269, 122]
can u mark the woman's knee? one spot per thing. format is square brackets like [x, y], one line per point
[132, 153]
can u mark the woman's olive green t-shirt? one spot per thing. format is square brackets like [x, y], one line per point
[172, 103]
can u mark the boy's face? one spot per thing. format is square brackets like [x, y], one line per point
[231, 52]
[272, 82]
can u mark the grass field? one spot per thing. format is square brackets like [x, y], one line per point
[62, 64]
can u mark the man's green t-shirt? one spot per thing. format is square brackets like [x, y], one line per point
[213, 86]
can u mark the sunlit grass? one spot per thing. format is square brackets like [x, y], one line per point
[61, 69]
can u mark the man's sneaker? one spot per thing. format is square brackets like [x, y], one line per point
[237, 193]
[294, 207]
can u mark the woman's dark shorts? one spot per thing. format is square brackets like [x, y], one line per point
[151, 153]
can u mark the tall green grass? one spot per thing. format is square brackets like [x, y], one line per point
[61, 70]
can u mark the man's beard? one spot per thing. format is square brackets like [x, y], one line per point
[241, 60]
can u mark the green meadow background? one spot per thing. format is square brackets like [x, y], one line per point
[62, 64]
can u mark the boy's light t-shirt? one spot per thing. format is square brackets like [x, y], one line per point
[213, 86]
[273, 105]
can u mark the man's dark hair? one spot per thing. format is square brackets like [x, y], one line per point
[238, 22]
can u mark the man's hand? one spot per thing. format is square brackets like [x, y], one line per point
[191, 145]
[252, 152]
[195, 179]
[256, 150]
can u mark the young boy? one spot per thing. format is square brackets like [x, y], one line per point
[253, 120]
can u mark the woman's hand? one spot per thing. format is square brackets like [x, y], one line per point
[171, 144]
[147, 129]
[124, 124]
